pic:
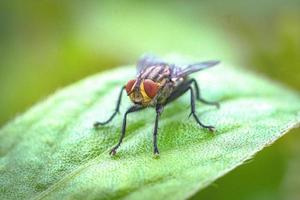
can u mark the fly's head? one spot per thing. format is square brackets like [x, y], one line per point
[142, 92]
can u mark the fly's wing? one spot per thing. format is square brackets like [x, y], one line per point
[196, 67]
[148, 60]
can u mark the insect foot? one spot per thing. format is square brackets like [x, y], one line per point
[113, 152]
[211, 128]
[156, 151]
[156, 154]
[97, 124]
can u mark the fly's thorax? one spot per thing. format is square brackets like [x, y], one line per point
[168, 88]
[156, 73]
[165, 92]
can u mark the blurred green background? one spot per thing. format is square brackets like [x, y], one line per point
[48, 44]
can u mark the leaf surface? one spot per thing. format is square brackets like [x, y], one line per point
[53, 152]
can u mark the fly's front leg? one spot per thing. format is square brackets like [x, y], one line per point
[199, 98]
[130, 110]
[96, 124]
[193, 112]
[159, 109]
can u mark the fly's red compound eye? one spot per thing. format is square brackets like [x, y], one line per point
[151, 88]
[129, 85]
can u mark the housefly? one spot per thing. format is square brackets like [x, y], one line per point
[157, 84]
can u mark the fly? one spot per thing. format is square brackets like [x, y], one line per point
[157, 84]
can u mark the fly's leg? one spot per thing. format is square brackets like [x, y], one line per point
[199, 98]
[211, 128]
[130, 110]
[180, 91]
[96, 124]
[159, 109]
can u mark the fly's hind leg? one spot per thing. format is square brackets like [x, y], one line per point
[193, 112]
[180, 91]
[200, 98]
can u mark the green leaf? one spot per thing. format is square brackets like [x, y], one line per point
[53, 152]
